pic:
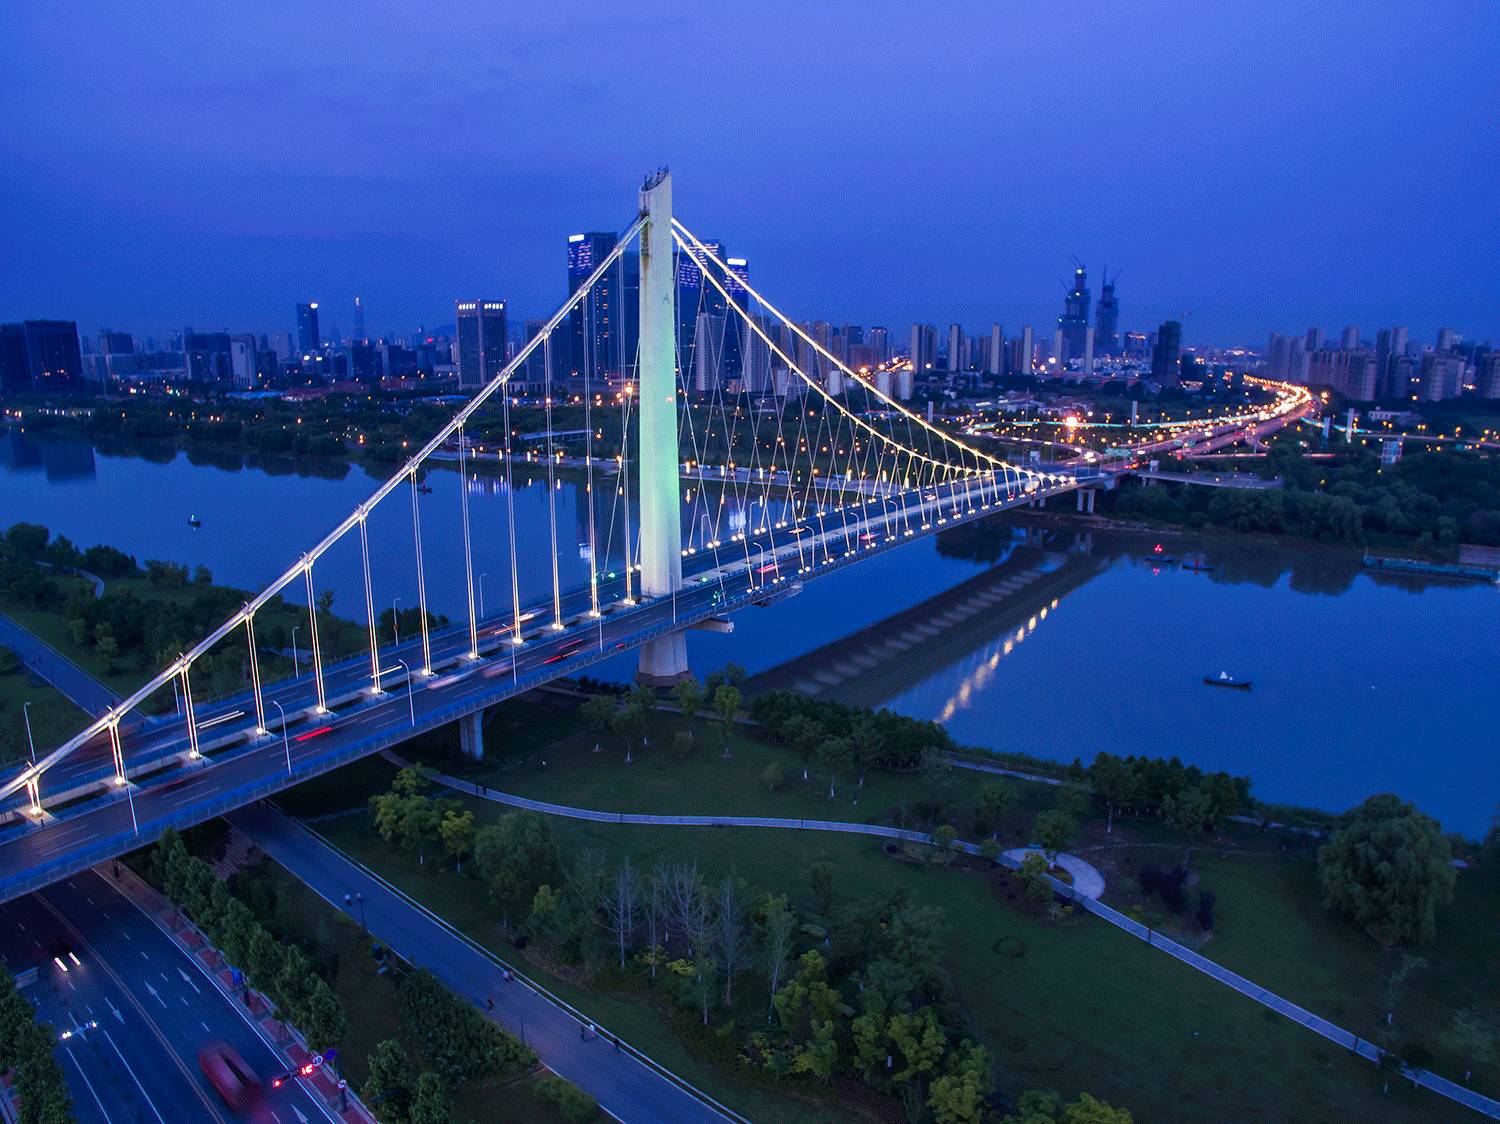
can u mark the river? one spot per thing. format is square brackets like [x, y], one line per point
[1361, 683]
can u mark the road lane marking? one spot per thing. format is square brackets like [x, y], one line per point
[92, 1091]
[155, 996]
[187, 981]
[149, 1102]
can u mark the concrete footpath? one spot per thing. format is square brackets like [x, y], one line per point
[627, 1084]
[46, 662]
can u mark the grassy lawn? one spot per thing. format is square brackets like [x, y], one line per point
[53, 716]
[370, 998]
[1083, 1008]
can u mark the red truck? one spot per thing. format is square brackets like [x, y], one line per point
[230, 1076]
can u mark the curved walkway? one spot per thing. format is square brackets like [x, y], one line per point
[1086, 877]
[1248, 988]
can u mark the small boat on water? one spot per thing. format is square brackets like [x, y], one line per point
[425, 489]
[1198, 565]
[1224, 679]
[1160, 557]
[194, 521]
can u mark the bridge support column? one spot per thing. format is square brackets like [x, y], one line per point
[662, 661]
[1086, 500]
[471, 735]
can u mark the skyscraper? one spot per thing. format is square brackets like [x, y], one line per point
[593, 325]
[1390, 347]
[1350, 339]
[1028, 351]
[923, 347]
[957, 348]
[708, 352]
[1444, 341]
[1314, 340]
[1166, 356]
[53, 358]
[480, 327]
[15, 372]
[1088, 353]
[1107, 336]
[996, 356]
[309, 339]
[1075, 318]
[115, 343]
[359, 318]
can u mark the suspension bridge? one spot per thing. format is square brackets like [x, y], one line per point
[727, 488]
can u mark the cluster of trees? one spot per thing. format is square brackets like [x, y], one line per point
[282, 971]
[398, 1093]
[455, 1040]
[414, 821]
[1388, 867]
[626, 713]
[1037, 1107]
[1171, 886]
[1184, 795]
[26, 1054]
[1437, 498]
[839, 737]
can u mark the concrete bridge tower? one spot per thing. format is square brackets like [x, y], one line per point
[664, 660]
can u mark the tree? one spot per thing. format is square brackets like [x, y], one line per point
[598, 713]
[958, 1097]
[944, 836]
[1388, 867]
[1053, 830]
[430, 1104]
[777, 925]
[804, 735]
[620, 904]
[992, 801]
[457, 831]
[1206, 901]
[391, 1082]
[820, 881]
[657, 896]
[729, 941]
[918, 1039]
[1033, 875]
[1189, 812]
[1037, 1107]
[629, 721]
[726, 703]
[1471, 1038]
[833, 757]
[689, 696]
[990, 850]
[323, 1020]
[516, 854]
[682, 744]
[773, 776]
[1113, 782]
[28, 539]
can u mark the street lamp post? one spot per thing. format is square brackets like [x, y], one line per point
[296, 671]
[395, 622]
[411, 703]
[26, 714]
[285, 742]
[481, 594]
[360, 898]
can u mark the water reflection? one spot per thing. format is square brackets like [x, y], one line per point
[59, 461]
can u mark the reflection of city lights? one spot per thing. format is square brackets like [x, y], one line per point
[979, 678]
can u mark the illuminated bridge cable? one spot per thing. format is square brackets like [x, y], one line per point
[27, 777]
[416, 535]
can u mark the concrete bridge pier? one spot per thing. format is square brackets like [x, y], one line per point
[1086, 500]
[471, 735]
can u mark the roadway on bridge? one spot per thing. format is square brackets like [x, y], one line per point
[243, 769]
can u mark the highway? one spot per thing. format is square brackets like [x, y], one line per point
[239, 768]
[136, 1010]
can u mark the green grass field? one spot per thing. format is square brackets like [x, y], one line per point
[1083, 1008]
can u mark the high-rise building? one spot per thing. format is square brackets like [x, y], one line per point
[879, 342]
[1390, 346]
[1075, 318]
[244, 362]
[708, 352]
[480, 327]
[1107, 336]
[15, 371]
[923, 347]
[1349, 371]
[958, 348]
[206, 355]
[1166, 356]
[905, 384]
[309, 338]
[1487, 375]
[1028, 351]
[594, 327]
[1445, 341]
[1059, 354]
[115, 343]
[1350, 339]
[755, 357]
[1314, 340]
[1440, 377]
[1088, 353]
[996, 355]
[359, 318]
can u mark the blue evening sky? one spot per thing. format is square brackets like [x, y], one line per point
[1255, 166]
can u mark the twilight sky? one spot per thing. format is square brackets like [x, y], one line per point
[1258, 166]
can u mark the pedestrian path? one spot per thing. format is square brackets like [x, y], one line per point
[46, 662]
[1085, 892]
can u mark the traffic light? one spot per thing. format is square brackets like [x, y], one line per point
[306, 1070]
[280, 1079]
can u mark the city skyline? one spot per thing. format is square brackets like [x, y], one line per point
[957, 193]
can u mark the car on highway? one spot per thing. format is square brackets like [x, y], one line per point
[231, 1076]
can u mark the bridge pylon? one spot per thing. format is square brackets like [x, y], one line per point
[663, 661]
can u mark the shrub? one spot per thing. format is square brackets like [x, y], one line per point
[573, 1104]
[773, 776]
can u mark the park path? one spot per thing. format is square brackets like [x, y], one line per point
[1426, 1079]
[46, 662]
